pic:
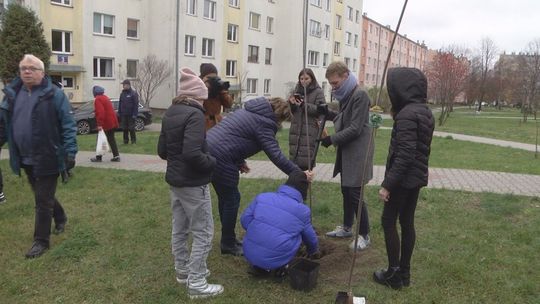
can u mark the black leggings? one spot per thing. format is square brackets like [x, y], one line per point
[402, 204]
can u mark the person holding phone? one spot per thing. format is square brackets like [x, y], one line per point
[298, 133]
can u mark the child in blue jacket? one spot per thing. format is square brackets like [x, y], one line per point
[277, 223]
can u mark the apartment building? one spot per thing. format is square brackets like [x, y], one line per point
[376, 42]
[257, 45]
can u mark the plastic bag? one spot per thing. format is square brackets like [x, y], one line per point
[102, 146]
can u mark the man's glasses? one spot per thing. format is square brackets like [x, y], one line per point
[31, 69]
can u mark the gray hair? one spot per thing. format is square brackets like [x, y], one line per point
[34, 59]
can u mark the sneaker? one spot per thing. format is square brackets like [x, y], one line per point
[2, 198]
[96, 159]
[362, 244]
[340, 232]
[234, 250]
[388, 277]
[204, 290]
[115, 159]
[37, 250]
[182, 277]
[60, 227]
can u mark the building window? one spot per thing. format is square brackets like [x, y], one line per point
[254, 21]
[313, 58]
[191, 7]
[103, 67]
[207, 47]
[266, 89]
[357, 16]
[268, 56]
[62, 2]
[314, 28]
[325, 59]
[131, 67]
[270, 25]
[232, 33]
[61, 42]
[209, 9]
[324, 86]
[252, 86]
[355, 40]
[67, 82]
[234, 3]
[253, 54]
[354, 62]
[133, 28]
[103, 24]
[337, 48]
[338, 22]
[347, 62]
[315, 2]
[350, 13]
[327, 5]
[327, 31]
[230, 68]
[348, 36]
[189, 45]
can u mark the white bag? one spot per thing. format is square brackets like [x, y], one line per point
[102, 146]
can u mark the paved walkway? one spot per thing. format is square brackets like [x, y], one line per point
[439, 178]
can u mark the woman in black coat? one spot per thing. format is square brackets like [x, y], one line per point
[406, 170]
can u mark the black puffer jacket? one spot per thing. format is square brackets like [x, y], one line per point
[182, 143]
[407, 163]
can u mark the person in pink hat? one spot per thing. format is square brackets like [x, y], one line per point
[182, 144]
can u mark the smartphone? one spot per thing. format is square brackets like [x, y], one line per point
[298, 97]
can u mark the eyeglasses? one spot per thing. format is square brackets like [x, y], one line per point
[31, 69]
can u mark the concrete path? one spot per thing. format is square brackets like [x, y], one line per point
[439, 178]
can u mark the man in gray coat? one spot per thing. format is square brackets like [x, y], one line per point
[353, 149]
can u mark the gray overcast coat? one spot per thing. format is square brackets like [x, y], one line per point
[352, 139]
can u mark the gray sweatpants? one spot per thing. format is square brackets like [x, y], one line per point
[191, 212]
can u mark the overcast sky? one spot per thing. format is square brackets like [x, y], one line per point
[511, 24]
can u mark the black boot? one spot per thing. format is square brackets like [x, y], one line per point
[232, 250]
[96, 159]
[390, 277]
[405, 274]
[38, 248]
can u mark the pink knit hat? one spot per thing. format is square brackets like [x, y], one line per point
[191, 85]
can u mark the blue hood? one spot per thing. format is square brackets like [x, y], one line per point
[260, 106]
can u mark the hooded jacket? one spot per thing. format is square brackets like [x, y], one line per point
[408, 154]
[128, 104]
[104, 111]
[242, 134]
[276, 224]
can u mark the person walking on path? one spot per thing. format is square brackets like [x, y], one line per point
[277, 223]
[189, 169]
[298, 145]
[406, 170]
[2, 142]
[352, 141]
[218, 95]
[128, 108]
[242, 134]
[106, 120]
[42, 138]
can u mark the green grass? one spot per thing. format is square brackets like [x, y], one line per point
[471, 248]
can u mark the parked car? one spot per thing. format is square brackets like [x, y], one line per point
[86, 118]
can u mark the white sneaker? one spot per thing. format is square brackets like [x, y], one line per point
[182, 277]
[204, 290]
[340, 232]
[362, 243]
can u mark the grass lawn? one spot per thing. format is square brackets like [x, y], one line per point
[471, 248]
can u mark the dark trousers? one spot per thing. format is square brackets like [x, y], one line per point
[128, 125]
[46, 204]
[351, 198]
[402, 205]
[228, 204]
[1, 182]
[112, 142]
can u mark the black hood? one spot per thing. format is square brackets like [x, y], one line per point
[406, 85]
[298, 180]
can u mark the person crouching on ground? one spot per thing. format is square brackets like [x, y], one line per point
[189, 169]
[106, 120]
[406, 170]
[276, 223]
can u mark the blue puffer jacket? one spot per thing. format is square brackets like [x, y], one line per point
[242, 134]
[54, 132]
[276, 224]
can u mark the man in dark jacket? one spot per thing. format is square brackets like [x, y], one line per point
[128, 108]
[189, 169]
[242, 134]
[406, 170]
[277, 223]
[354, 157]
[41, 134]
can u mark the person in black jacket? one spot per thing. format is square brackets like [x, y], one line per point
[189, 170]
[406, 170]
[128, 108]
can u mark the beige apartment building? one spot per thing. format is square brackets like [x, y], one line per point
[376, 42]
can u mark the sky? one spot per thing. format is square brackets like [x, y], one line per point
[511, 24]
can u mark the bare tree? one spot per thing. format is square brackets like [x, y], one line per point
[151, 74]
[487, 54]
[446, 78]
[530, 68]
